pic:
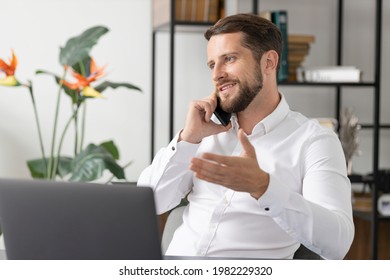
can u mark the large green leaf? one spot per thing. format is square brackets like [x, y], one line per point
[83, 67]
[90, 163]
[77, 48]
[38, 167]
[106, 84]
[115, 169]
[64, 166]
[111, 148]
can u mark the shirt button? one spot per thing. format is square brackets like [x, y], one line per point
[266, 208]
[173, 148]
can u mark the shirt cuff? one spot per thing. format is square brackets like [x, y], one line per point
[182, 151]
[274, 200]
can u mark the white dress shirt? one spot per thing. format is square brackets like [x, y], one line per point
[308, 199]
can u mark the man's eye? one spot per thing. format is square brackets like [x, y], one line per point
[211, 66]
[229, 59]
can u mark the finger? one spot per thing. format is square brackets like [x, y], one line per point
[220, 159]
[203, 108]
[207, 170]
[212, 104]
[218, 174]
[248, 149]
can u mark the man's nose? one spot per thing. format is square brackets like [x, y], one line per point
[219, 73]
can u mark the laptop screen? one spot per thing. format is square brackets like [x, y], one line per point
[61, 220]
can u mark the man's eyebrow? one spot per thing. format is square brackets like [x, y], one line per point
[223, 55]
[210, 62]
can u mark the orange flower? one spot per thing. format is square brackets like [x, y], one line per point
[9, 70]
[83, 83]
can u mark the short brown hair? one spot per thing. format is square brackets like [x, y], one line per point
[260, 34]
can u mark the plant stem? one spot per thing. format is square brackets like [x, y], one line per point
[83, 126]
[50, 171]
[76, 134]
[84, 73]
[30, 88]
[62, 140]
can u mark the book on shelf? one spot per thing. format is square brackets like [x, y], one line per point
[298, 49]
[295, 46]
[199, 10]
[190, 10]
[180, 10]
[214, 10]
[186, 10]
[331, 74]
[295, 58]
[300, 39]
[279, 18]
[203, 11]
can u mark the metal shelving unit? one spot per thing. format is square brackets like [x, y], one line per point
[376, 126]
[174, 26]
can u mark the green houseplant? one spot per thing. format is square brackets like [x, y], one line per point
[89, 161]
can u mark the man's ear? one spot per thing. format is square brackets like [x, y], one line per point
[270, 60]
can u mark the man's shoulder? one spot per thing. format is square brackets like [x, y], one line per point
[312, 126]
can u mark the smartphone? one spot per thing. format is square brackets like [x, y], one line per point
[222, 116]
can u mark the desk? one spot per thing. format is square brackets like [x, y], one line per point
[3, 257]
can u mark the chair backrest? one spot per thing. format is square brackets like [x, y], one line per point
[174, 220]
[305, 254]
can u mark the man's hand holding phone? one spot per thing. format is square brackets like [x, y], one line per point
[198, 122]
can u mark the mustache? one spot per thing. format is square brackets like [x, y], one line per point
[224, 81]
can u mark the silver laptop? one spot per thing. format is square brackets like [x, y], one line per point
[59, 220]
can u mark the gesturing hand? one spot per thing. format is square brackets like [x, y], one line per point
[240, 173]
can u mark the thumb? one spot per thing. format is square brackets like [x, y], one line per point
[248, 149]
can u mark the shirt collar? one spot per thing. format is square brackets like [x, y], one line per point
[276, 117]
[269, 122]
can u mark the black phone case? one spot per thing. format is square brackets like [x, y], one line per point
[222, 116]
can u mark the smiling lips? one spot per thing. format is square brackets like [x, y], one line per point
[226, 86]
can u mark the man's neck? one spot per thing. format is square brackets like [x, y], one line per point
[262, 106]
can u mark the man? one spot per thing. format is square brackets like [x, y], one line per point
[266, 183]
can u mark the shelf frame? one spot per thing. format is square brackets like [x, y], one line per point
[174, 26]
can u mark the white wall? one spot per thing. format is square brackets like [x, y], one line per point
[37, 28]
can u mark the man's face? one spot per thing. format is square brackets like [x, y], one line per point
[236, 74]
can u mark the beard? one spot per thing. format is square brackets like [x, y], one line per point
[246, 94]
